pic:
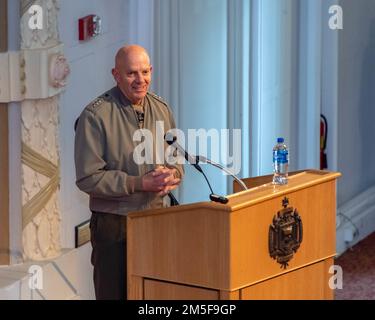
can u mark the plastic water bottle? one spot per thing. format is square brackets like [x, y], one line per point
[280, 162]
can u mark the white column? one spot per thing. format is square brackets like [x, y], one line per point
[274, 83]
[238, 107]
[330, 79]
[40, 121]
[310, 84]
[191, 74]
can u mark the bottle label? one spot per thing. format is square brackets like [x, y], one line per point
[280, 156]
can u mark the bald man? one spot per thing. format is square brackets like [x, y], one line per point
[107, 170]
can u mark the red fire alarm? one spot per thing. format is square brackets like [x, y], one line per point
[89, 27]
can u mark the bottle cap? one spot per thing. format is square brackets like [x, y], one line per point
[280, 140]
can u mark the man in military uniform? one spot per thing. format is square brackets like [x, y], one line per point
[107, 171]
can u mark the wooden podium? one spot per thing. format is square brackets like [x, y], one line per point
[214, 251]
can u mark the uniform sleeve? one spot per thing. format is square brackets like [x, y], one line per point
[91, 174]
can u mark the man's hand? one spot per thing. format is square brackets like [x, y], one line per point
[171, 184]
[161, 180]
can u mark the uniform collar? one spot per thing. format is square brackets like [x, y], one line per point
[121, 98]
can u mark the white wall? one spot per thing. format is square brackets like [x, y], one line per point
[356, 100]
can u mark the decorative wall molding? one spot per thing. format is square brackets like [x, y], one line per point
[39, 70]
[43, 72]
[33, 74]
[58, 70]
[41, 234]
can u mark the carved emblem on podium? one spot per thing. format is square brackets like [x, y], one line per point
[285, 234]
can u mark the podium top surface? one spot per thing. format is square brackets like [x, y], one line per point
[253, 195]
[268, 191]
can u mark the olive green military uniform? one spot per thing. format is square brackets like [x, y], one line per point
[106, 170]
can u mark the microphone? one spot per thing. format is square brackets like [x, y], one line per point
[226, 170]
[172, 141]
[173, 199]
